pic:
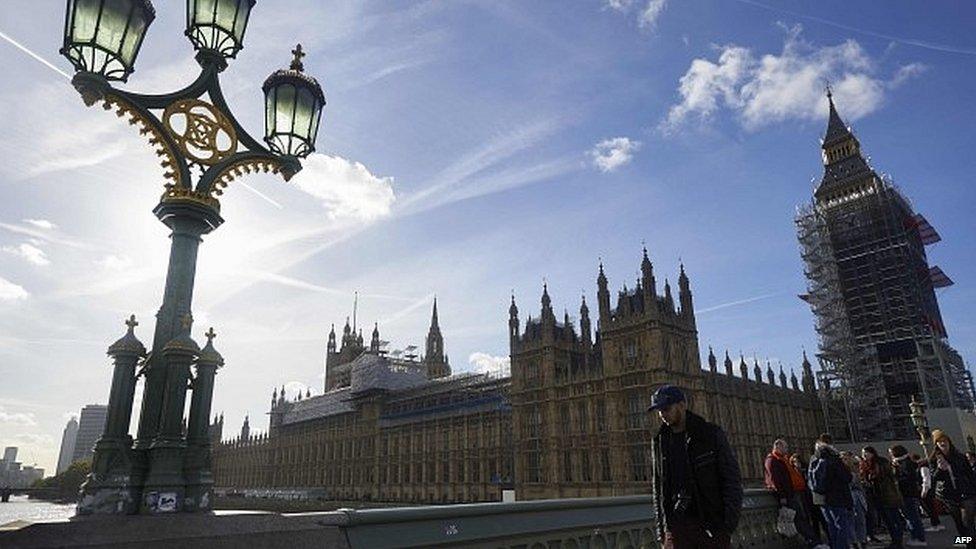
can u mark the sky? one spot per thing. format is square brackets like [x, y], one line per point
[469, 149]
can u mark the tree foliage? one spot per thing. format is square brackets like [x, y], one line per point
[65, 485]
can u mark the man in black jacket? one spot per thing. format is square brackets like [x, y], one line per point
[696, 484]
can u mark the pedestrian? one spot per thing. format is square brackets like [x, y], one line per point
[877, 471]
[929, 504]
[695, 478]
[859, 507]
[786, 481]
[817, 521]
[910, 486]
[831, 481]
[955, 484]
[971, 458]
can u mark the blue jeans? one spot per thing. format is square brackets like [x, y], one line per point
[893, 522]
[859, 532]
[914, 518]
[838, 526]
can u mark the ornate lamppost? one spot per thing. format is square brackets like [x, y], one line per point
[202, 148]
[921, 423]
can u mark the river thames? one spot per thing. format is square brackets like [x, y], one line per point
[34, 510]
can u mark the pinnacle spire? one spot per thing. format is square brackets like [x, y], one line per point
[433, 315]
[836, 129]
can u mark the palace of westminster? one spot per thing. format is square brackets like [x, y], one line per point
[571, 420]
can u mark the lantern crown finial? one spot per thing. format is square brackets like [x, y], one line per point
[296, 63]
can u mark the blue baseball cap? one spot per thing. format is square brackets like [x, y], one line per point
[665, 396]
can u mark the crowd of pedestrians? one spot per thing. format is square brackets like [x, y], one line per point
[839, 500]
[843, 500]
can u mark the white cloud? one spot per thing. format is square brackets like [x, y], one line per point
[10, 291]
[620, 5]
[651, 13]
[485, 363]
[610, 154]
[648, 15]
[907, 72]
[113, 262]
[30, 253]
[17, 418]
[41, 223]
[771, 88]
[347, 188]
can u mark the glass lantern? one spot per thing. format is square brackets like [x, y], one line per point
[293, 108]
[218, 25]
[104, 36]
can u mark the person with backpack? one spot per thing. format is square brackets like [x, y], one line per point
[859, 535]
[955, 484]
[830, 482]
[876, 471]
[910, 485]
[786, 482]
[817, 522]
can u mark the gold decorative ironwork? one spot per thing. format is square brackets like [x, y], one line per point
[237, 169]
[156, 139]
[175, 193]
[204, 134]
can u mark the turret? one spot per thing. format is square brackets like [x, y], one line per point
[546, 304]
[808, 384]
[585, 324]
[513, 326]
[728, 364]
[274, 397]
[743, 369]
[648, 284]
[374, 342]
[782, 376]
[603, 296]
[756, 370]
[712, 362]
[245, 429]
[793, 382]
[435, 358]
[684, 296]
[668, 300]
[331, 346]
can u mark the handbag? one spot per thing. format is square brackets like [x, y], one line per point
[785, 523]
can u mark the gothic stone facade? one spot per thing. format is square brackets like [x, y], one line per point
[385, 429]
[579, 403]
[571, 421]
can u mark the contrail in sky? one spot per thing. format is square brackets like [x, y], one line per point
[24, 49]
[738, 302]
[907, 41]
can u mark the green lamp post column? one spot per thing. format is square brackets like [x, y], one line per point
[197, 466]
[189, 221]
[112, 488]
[164, 486]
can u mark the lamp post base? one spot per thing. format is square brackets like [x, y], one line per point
[112, 488]
[165, 488]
